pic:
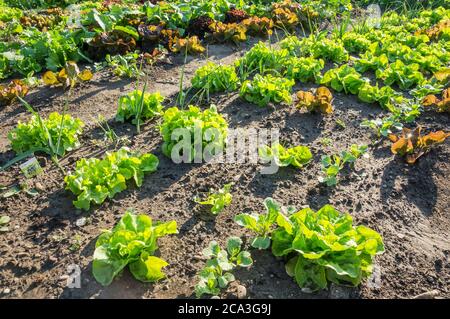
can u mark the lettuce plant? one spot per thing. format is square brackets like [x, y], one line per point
[405, 75]
[95, 179]
[261, 224]
[67, 77]
[441, 105]
[132, 242]
[354, 42]
[264, 89]
[324, 246]
[57, 134]
[332, 165]
[330, 50]
[205, 128]
[344, 78]
[10, 92]
[258, 26]
[304, 69]
[228, 32]
[139, 105]
[386, 96]
[262, 59]
[217, 272]
[412, 145]
[369, 61]
[215, 78]
[190, 45]
[405, 113]
[297, 156]
[297, 47]
[320, 100]
[217, 200]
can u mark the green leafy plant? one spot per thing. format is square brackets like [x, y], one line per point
[369, 61]
[217, 274]
[124, 65]
[55, 135]
[208, 126]
[262, 59]
[95, 179]
[132, 242]
[406, 113]
[386, 96]
[261, 224]
[130, 106]
[355, 42]
[297, 156]
[217, 200]
[324, 246]
[344, 78]
[329, 49]
[215, 78]
[304, 69]
[332, 165]
[264, 89]
[405, 75]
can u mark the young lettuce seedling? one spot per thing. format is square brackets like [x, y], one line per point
[218, 201]
[332, 165]
[217, 272]
[261, 224]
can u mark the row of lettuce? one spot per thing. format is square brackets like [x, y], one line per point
[33, 41]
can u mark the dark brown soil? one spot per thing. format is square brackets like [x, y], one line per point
[408, 205]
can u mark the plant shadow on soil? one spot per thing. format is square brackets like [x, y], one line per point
[419, 181]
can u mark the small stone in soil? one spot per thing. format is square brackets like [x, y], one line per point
[241, 292]
[6, 291]
[39, 187]
[81, 222]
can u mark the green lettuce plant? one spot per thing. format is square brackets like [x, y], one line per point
[386, 96]
[329, 49]
[344, 78]
[332, 165]
[57, 134]
[324, 246]
[405, 75]
[261, 224]
[95, 179]
[262, 59]
[354, 42]
[217, 274]
[217, 200]
[205, 128]
[138, 105]
[215, 78]
[132, 242]
[297, 156]
[304, 69]
[264, 89]
[369, 61]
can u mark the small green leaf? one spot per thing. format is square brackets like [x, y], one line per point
[261, 242]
